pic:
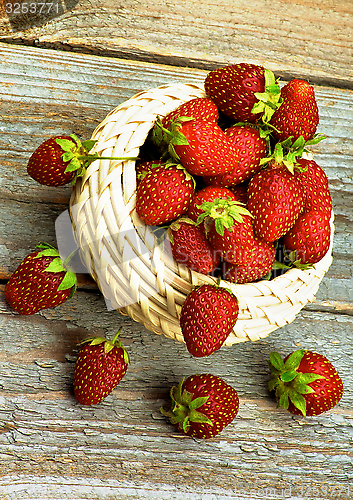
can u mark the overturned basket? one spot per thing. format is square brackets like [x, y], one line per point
[124, 256]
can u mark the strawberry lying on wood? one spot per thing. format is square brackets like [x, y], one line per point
[208, 315]
[100, 366]
[40, 282]
[202, 406]
[305, 383]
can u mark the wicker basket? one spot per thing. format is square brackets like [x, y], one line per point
[124, 256]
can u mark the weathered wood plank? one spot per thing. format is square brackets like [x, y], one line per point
[125, 441]
[293, 37]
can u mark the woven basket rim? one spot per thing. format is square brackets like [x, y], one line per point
[102, 208]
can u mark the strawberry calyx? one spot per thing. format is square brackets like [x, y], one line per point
[270, 100]
[108, 344]
[287, 152]
[184, 409]
[289, 383]
[78, 155]
[223, 212]
[57, 266]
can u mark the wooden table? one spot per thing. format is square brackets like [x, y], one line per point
[62, 71]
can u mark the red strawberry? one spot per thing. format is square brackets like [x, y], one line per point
[190, 246]
[244, 92]
[200, 108]
[61, 159]
[251, 149]
[229, 229]
[306, 383]
[309, 238]
[40, 282]
[208, 315]
[100, 366]
[275, 199]
[164, 194]
[259, 265]
[240, 191]
[203, 148]
[315, 183]
[298, 114]
[202, 406]
[209, 193]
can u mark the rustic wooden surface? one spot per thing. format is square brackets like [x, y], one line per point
[50, 446]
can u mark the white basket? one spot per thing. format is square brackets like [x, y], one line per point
[123, 255]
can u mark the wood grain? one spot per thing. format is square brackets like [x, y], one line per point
[53, 448]
[292, 37]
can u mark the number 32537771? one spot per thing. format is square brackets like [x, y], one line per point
[32, 8]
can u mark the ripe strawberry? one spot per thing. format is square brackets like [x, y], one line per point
[208, 193]
[202, 406]
[208, 315]
[62, 159]
[306, 383]
[275, 199]
[190, 246]
[251, 149]
[228, 226]
[200, 108]
[244, 92]
[309, 238]
[203, 148]
[100, 366]
[315, 183]
[259, 265]
[298, 114]
[164, 194]
[40, 282]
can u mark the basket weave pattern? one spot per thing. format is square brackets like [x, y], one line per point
[124, 256]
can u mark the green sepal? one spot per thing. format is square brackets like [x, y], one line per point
[270, 100]
[299, 401]
[108, 344]
[66, 145]
[88, 145]
[197, 402]
[75, 164]
[288, 376]
[277, 361]
[224, 212]
[294, 360]
[284, 401]
[55, 266]
[198, 417]
[68, 281]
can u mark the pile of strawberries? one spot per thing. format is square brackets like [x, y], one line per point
[225, 176]
[226, 173]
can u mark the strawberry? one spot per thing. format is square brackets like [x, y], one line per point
[202, 406]
[100, 366]
[190, 246]
[229, 229]
[208, 193]
[208, 315]
[305, 383]
[164, 194]
[62, 159]
[309, 238]
[202, 147]
[244, 92]
[298, 114]
[259, 265]
[275, 199]
[40, 282]
[200, 108]
[315, 183]
[251, 149]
